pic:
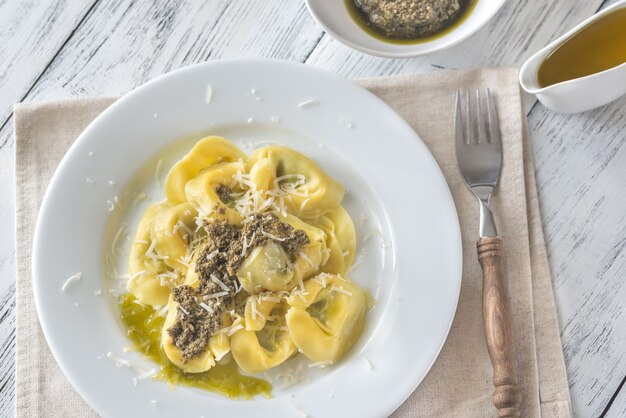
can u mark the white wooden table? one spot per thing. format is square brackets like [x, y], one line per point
[54, 49]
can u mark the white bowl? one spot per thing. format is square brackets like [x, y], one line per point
[337, 22]
[579, 94]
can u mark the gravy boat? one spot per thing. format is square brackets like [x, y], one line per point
[579, 94]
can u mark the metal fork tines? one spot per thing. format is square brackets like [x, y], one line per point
[479, 150]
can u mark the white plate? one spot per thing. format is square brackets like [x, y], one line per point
[333, 16]
[411, 234]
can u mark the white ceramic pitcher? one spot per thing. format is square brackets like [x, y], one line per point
[579, 94]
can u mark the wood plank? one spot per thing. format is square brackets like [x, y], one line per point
[7, 275]
[580, 163]
[125, 44]
[32, 33]
[7, 351]
[618, 407]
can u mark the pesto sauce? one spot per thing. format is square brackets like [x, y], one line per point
[144, 325]
[363, 22]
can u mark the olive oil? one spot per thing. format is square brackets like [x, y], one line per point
[144, 326]
[596, 48]
[362, 20]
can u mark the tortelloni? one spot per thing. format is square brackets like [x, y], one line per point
[308, 192]
[201, 190]
[265, 343]
[206, 153]
[325, 321]
[340, 239]
[200, 363]
[218, 347]
[143, 282]
[261, 246]
[269, 268]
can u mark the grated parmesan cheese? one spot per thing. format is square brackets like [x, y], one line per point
[321, 278]
[120, 232]
[307, 259]
[150, 252]
[358, 260]
[295, 179]
[118, 360]
[209, 94]
[211, 255]
[181, 225]
[367, 363]
[306, 103]
[234, 329]
[145, 375]
[139, 273]
[321, 364]
[163, 310]
[271, 236]
[215, 295]
[254, 310]
[74, 278]
[238, 287]
[244, 247]
[206, 308]
[220, 283]
[157, 172]
[303, 204]
[266, 298]
[139, 198]
[339, 289]
[326, 254]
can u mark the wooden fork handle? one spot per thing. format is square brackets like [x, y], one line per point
[499, 328]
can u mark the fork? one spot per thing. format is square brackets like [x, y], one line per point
[479, 155]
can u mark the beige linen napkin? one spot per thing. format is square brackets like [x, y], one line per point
[459, 384]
